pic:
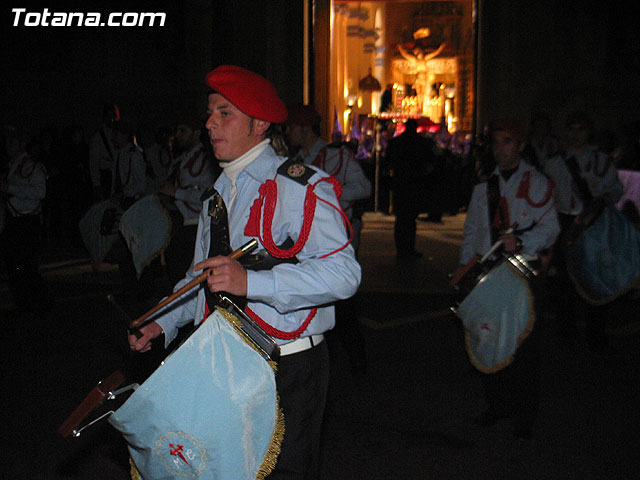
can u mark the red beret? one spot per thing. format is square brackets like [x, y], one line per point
[510, 125]
[251, 93]
[303, 115]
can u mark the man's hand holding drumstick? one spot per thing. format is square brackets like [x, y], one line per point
[222, 274]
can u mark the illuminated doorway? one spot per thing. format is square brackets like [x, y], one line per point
[400, 59]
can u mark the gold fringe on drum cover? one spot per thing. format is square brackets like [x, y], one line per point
[528, 328]
[271, 456]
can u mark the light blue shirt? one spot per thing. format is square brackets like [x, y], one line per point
[595, 168]
[283, 296]
[476, 233]
[341, 164]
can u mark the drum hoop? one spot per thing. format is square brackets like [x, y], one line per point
[526, 331]
[237, 326]
[521, 265]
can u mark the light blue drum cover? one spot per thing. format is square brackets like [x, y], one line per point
[98, 245]
[146, 228]
[498, 314]
[210, 411]
[604, 261]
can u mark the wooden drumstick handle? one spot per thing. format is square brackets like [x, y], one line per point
[236, 254]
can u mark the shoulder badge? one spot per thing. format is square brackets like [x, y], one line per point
[296, 171]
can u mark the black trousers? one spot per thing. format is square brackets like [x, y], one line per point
[514, 392]
[570, 307]
[406, 209]
[302, 381]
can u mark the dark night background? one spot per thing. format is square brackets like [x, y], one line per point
[63, 75]
[549, 55]
[407, 418]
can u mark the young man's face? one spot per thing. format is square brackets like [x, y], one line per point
[231, 132]
[506, 149]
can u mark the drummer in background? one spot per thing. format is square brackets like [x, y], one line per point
[192, 173]
[526, 221]
[130, 175]
[20, 241]
[303, 132]
[157, 155]
[292, 300]
[601, 179]
[102, 153]
[129, 182]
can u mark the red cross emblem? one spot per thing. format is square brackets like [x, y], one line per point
[484, 326]
[176, 450]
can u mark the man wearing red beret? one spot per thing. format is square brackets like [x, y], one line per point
[293, 211]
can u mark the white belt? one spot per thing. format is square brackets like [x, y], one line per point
[300, 345]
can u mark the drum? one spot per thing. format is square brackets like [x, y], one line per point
[209, 411]
[146, 228]
[498, 314]
[603, 261]
[97, 229]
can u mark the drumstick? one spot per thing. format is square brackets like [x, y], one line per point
[493, 248]
[236, 254]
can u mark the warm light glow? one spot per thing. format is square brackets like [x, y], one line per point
[374, 103]
[421, 33]
[425, 86]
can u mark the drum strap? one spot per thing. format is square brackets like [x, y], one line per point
[220, 245]
[581, 184]
[219, 241]
[495, 208]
